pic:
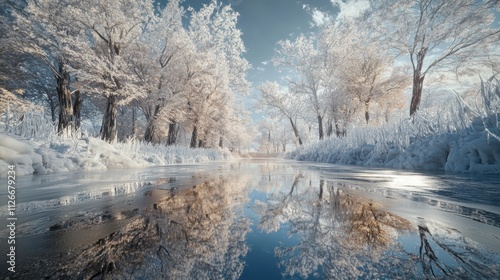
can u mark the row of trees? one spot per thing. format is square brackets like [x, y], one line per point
[181, 69]
[354, 69]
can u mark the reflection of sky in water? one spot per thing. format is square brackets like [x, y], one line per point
[314, 221]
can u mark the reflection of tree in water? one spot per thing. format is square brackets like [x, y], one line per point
[190, 234]
[343, 237]
[465, 261]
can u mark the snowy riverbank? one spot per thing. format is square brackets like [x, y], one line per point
[90, 154]
[471, 150]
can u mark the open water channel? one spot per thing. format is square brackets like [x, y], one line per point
[254, 219]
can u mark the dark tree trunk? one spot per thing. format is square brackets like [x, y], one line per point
[173, 131]
[194, 137]
[295, 131]
[221, 142]
[52, 105]
[329, 128]
[418, 82]
[320, 127]
[321, 185]
[150, 133]
[201, 144]
[338, 131]
[133, 122]
[416, 96]
[367, 114]
[66, 121]
[77, 109]
[108, 127]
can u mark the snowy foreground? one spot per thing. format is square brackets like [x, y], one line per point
[91, 154]
[473, 150]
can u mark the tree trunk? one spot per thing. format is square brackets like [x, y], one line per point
[150, 133]
[295, 131]
[367, 114]
[108, 127]
[329, 128]
[133, 122]
[194, 137]
[173, 131]
[320, 127]
[321, 185]
[221, 142]
[418, 82]
[66, 121]
[416, 96]
[339, 132]
[77, 109]
[52, 105]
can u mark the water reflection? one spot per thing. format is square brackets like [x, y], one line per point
[194, 233]
[211, 225]
[346, 236]
[337, 231]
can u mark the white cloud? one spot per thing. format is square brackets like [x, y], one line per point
[320, 18]
[265, 62]
[260, 69]
[350, 8]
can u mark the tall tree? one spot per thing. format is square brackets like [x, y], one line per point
[436, 34]
[108, 30]
[303, 57]
[219, 69]
[44, 30]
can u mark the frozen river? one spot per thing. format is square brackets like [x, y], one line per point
[254, 219]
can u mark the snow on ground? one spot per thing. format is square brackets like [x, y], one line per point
[473, 150]
[89, 154]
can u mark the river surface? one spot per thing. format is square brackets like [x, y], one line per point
[254, 219]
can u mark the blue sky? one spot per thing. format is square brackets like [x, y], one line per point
[264, 23]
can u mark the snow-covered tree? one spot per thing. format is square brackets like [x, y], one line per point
[359, 66]
[285, 104]
[103, 45]
[218, 69]
[44, 30]
[302, 57]
[436, 34]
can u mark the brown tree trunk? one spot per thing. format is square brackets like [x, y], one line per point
[194, 137]
[221, 142]
[66, 121]
[108, 127]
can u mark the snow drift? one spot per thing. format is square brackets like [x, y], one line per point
[89, 154]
